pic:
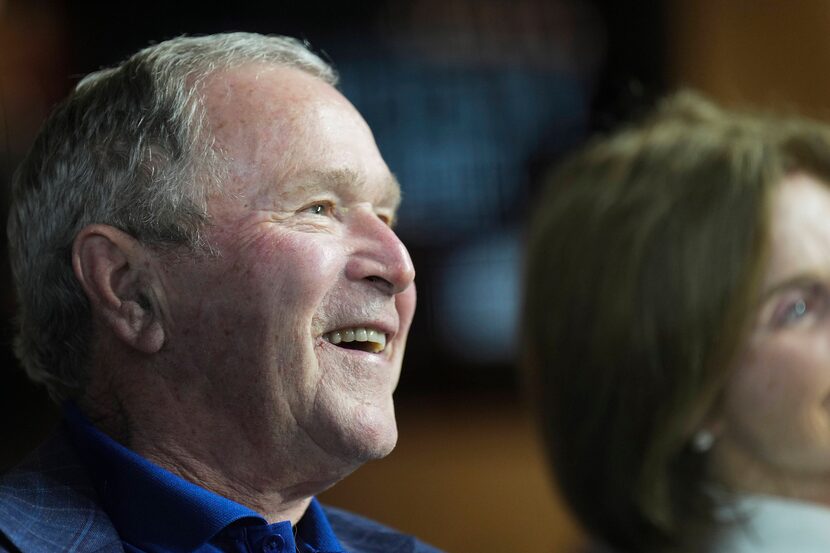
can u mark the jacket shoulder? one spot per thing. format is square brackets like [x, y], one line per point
[361, 535]
[47, 503]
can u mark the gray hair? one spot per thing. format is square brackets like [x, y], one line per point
[128, 148]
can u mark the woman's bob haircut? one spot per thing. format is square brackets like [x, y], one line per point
[643, 267]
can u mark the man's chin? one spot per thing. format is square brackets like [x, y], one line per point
[382, 447]
[372, 438]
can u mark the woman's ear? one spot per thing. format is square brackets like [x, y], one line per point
[117, 272]
[707, 425]
[707, 434]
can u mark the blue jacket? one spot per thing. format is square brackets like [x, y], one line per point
[49, 505]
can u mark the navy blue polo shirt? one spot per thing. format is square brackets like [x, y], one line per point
[154, 510]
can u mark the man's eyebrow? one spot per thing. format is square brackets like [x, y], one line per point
[339, 178]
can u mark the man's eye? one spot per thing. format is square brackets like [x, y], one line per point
[322, 208]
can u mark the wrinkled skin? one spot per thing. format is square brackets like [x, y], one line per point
[244, 395]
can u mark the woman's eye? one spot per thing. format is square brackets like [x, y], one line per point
[795, 311]
[797, 306]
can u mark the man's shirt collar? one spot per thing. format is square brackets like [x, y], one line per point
[154, 510]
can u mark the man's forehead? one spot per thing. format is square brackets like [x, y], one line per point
[256, 82]
[264, 118]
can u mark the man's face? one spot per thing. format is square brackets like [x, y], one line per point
[306, 259]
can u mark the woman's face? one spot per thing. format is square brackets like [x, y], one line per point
[775, 424]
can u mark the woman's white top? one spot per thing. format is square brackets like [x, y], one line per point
[765, 524]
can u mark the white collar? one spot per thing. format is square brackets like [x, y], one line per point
[765, 524]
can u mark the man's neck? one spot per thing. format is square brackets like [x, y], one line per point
[273, 505]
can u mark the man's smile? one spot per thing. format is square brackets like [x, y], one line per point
[359, 338]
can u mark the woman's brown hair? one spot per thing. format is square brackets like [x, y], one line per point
[643, 265]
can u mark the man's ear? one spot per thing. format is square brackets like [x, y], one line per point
[116, 272]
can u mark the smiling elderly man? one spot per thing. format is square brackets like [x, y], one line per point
[209, 282]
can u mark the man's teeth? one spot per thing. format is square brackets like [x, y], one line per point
[376, 340]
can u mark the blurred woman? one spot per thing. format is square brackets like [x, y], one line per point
[677, 332]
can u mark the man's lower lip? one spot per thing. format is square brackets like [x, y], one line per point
[334, 347]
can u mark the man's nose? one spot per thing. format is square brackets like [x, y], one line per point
[379, 257]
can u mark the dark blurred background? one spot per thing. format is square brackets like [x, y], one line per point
[470, 102]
